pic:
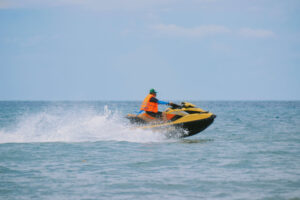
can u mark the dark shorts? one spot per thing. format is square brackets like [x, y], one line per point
[155, 115]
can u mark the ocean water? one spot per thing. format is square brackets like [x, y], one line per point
[87, 150]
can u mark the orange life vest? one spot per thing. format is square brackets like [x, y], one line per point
[149, 106]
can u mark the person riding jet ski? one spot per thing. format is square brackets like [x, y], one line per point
[176, 121]
[150, 106]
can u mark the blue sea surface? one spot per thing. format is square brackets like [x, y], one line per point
[87, 150]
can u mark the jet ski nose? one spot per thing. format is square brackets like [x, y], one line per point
[214, 116]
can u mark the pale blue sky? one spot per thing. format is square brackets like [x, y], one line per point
[119, 49]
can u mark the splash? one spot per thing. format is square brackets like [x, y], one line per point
[58, 125]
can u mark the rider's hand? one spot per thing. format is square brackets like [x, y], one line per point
[170, 103]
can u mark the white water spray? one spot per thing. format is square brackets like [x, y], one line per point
[58, 125]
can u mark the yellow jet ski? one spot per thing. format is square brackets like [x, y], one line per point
[182, 120]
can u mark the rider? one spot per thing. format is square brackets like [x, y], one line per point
[150, 106]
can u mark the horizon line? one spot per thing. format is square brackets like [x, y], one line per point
[86, 100]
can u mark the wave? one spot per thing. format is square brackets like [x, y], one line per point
[79, 125]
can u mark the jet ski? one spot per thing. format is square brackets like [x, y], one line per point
[181, 120]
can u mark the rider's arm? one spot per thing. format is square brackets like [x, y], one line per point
[163, 102]
[155, 100]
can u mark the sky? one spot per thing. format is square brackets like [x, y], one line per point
[119, 49]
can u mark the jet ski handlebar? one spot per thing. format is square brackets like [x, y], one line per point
[175, 106]
[183, 105]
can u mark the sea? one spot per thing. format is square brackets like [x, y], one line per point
[88, 150]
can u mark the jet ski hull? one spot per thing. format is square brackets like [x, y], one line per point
[181, 130]
[194, 127]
